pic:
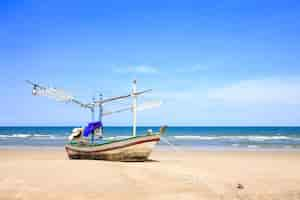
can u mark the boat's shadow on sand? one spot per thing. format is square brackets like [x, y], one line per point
[145, 161]
[124, 161]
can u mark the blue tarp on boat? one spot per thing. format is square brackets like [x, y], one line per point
[91, 127]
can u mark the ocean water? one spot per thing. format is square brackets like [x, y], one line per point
[282, 138]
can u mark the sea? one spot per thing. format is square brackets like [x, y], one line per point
[210, 138]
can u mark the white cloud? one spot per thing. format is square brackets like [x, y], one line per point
[186, 96]
[193, 68]
[272, 91]
[142, 69]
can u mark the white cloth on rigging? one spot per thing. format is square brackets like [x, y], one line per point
[57, 94]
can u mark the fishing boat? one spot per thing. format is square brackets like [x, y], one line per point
[136, 148]
[88, 142]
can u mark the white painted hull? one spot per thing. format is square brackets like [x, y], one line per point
[131, 149]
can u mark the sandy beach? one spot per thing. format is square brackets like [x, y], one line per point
[49, 174]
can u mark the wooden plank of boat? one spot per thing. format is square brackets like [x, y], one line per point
[130, 149]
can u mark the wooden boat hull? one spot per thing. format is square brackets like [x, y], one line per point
[131, 149]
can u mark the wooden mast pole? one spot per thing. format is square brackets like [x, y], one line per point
[93, 119]
[134, 106]
[100, 107]
[93, 111]
[101, 113]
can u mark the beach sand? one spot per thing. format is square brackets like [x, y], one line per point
[49, 174]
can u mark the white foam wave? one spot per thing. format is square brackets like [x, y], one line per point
[30, 136]
[194, 137]
[15, 136]
[46, 136]
[235, 137]
[252, 146]
[176, 137]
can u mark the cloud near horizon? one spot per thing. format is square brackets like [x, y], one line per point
[272, 91]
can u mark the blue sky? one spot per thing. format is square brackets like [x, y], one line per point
[212, 63]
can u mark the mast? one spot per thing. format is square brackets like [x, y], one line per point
[101, 113]
[100, 107]
[134, 106]
[93, 119]
[93, 111]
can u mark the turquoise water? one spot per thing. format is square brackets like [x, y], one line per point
[181, 137]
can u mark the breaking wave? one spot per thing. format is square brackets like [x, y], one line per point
[175, 137]
[31, 136]
[235, 137]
